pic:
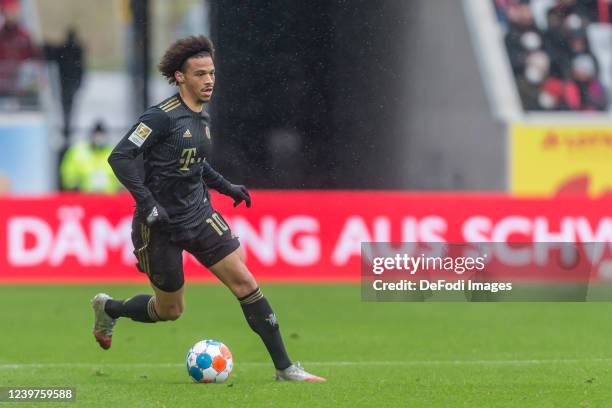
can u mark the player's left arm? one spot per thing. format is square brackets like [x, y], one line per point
[216, 181]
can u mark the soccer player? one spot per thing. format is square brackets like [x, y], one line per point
[174, 213]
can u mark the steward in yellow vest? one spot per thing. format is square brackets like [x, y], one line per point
[85, 167]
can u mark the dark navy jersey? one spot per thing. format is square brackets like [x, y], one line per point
[174, 142]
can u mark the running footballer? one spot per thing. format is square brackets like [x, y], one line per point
[174, 213]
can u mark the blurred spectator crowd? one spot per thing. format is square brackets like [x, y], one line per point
[25, 68]
[19, 77]
[22, 64]
[549, 44]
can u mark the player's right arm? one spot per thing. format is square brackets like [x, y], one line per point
[152, 127]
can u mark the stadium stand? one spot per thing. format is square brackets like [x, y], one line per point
[19, 66]
[560, 52]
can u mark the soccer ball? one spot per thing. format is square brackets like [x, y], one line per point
[209, 361]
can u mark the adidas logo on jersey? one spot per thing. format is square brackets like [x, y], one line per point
[187, 133]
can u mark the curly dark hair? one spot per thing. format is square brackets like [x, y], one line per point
[180, 51]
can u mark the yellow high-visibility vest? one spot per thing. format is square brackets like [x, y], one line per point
[86, 169]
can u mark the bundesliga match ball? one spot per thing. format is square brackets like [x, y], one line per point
[209, 361]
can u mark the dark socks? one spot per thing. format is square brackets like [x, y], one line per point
[139, 308]
[262, 320]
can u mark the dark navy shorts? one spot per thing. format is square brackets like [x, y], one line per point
[161, 258]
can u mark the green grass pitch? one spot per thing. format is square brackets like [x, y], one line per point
[373, 354]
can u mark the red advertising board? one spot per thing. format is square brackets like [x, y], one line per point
[287, 235]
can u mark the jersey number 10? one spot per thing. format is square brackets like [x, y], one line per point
[217, 223]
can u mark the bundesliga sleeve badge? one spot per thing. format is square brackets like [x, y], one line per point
[140, 134]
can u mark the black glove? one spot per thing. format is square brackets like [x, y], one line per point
[154, 214]
[238, 193]
[157, 216]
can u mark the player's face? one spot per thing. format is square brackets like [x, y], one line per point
[199, 77]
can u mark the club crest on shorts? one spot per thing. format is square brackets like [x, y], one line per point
[140, 134]
[158, 279]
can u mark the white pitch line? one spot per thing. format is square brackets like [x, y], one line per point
[407, 363]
